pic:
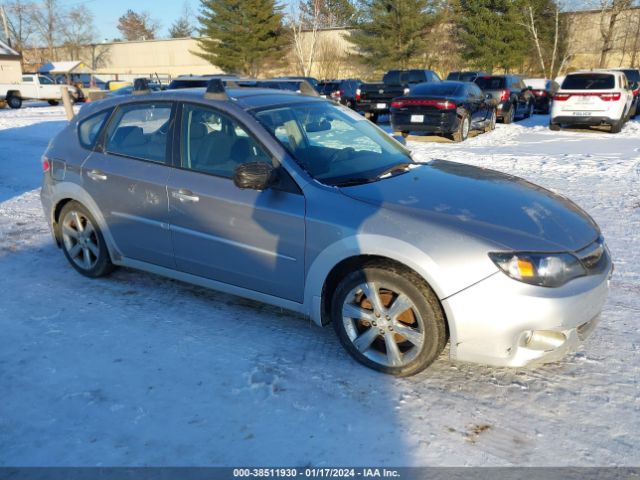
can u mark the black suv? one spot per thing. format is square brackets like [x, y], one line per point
[512, 96]
[343, 91]
[465, 76]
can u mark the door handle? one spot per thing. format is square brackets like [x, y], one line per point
[96, 175]
[185, 196]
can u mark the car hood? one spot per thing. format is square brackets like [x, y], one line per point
[502, 209]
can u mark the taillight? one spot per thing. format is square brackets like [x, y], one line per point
[636, 92]
[415, 102]
[505, 95]
[611, 97]
[562, 97]
[46, 165]
[540, 93]
[336, 94]
[358, 94]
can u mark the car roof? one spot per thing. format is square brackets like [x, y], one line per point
[245, 98]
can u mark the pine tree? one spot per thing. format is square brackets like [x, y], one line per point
[491, 34]
[182, 27]
[137, 26]
[392, 33]
[241, 36]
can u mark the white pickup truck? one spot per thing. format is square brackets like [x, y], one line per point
[34, 87]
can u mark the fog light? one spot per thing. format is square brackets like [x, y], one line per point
[544, 340]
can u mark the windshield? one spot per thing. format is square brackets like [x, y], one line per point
[333, 143]
[328, 88]
[589, 81]
[490, 83]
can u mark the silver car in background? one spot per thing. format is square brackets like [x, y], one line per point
[298, 202]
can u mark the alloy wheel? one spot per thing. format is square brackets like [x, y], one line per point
[80, 240]
[383, 325]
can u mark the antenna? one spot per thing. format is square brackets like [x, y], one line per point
[216, 90]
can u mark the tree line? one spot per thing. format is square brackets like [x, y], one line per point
[251, 36]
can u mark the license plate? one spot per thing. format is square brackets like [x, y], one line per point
[581, 114]
[584, 100]
[323, 96]
[381, 106]
[417, 118]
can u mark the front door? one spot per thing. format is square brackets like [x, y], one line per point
[128, 181]
[250, 239]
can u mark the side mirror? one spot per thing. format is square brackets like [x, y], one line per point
[400, 139]
[254, 175]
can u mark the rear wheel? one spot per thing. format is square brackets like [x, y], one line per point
[82, 241]
[554, 127]
[388, 319]
[462, 133]
[14, 102]
[616, 127]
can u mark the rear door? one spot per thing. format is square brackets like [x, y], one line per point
[250, 239]
[127, 178]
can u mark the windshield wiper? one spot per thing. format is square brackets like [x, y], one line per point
[404, 166]
[354, 181]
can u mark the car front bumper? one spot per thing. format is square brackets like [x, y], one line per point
[502, 322]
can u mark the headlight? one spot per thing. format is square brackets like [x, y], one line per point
[543, 269]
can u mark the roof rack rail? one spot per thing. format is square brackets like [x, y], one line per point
[216, 90]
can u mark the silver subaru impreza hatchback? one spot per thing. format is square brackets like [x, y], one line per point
[295, 201]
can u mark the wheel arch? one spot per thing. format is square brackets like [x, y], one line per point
[343, 256]
[68, 192]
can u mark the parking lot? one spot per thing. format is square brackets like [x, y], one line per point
[134, 369]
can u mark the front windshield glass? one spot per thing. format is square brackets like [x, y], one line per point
[333, 143]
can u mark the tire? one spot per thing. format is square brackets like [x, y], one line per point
[511, 116]
[14, 102]
[554, 127]
[616, 127]
[492, 123]
[462, 133]
[422, 319]
[53, 103]
[85, 250]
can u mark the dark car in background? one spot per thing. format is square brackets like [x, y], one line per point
[197, 81]
[543, 91]
[343, 91]
[514, 99]
[444, 108]
[466, 76]
[374, 99]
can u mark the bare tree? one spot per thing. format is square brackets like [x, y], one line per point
[20, 23]
[137, 26]
[530, 24]
[304, 26]
[635, 49]
[78, 31]
[610, 12]
[46, 19]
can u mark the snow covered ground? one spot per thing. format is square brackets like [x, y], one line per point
[138, 370]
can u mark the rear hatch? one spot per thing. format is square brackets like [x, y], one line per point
[587, 93]
[495, 86]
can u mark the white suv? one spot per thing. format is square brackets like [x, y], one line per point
[592, 98]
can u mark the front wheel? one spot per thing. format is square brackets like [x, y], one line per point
[616, 127]
[511, 116]
[492, 122]
[388, 319]
[82, 241]
[554, 127]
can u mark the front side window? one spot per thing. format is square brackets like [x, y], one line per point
[140, 130]
[334, 144]
[214, 143]
[27, 79]
[45, 81]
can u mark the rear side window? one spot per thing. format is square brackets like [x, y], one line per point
[140, 130]
[89, 128]
[490, 83]
[589, 81]
[27, 79]
[418, 76]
